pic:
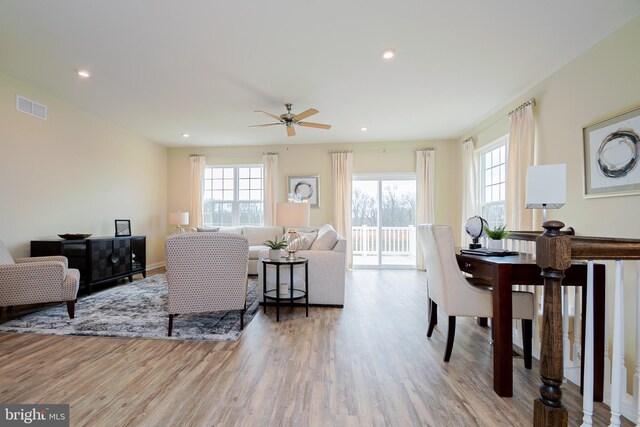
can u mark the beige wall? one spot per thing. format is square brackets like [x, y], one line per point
[314, 159]
[75, 173]
[602, 81]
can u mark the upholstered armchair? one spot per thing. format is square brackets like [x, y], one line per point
[451, 291]
[206, 272]
[37, 280]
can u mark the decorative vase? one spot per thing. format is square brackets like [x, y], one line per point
[275, 254]
[495, 244]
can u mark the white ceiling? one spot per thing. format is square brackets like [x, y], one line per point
[164, 67]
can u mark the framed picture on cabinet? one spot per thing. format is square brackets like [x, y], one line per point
[123, 227]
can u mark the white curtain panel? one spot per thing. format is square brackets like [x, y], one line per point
[198, 163]
[425, 185]
[522, 135]
[342, 171]
[270, 164]
[469, 206]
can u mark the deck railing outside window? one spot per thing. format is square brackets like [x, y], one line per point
[393, 241]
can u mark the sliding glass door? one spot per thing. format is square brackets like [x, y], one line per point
[383, 216]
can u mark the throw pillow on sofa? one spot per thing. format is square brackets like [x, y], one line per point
[207, 229]
[306, 240]
[326, 240]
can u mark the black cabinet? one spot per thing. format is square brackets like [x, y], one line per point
[99, 259]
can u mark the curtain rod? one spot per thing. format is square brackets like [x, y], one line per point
[531, 101]
[269, 153]
[383, 150]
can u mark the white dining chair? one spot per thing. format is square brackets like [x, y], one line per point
[449, 289]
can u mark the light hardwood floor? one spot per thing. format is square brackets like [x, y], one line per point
[369, 364]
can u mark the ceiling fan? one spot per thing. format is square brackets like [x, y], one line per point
[289, 120]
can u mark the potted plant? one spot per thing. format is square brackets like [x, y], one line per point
[274, 248]
[496, 235]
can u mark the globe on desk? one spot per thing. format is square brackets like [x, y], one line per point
[474, 227]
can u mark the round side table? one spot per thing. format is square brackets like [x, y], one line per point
[293, 294]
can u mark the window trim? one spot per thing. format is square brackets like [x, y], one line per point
[481, 171]
[235, 211]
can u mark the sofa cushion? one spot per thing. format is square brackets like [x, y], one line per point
[306, 240]
[257, 235]
[5, 256]
[231, 230]
[326, 240]
[254, 251]
[303, 230]
[201, 229]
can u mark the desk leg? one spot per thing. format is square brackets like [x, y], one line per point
[501, 327]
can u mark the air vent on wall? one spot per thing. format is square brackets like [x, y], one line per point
[31, 107]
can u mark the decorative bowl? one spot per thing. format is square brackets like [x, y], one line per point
[74, 236]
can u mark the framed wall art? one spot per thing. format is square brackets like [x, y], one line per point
[123, 227]
[305, 188]
[611, 154]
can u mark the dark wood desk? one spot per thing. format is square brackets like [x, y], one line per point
[503, 272]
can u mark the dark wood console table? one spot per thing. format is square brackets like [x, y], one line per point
[99, 259]
[503, 272]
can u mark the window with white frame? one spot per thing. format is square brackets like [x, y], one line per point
[492, 179]
[233, 195]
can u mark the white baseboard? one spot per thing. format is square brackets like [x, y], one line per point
[156, 265]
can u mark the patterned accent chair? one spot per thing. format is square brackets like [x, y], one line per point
[37, 280]
[206, 272]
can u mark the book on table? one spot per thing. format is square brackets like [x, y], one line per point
[488, 252]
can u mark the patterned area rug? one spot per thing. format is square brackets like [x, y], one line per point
[139, 310]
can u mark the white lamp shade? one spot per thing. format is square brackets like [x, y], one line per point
[293, 214]
[179, 218]
[546, 186]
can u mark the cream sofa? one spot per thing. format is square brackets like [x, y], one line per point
[256, 236]
[327, 260]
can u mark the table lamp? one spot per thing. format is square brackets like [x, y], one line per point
[293, 215]
[179, 218]
[546, 187]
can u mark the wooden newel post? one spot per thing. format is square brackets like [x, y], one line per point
[553, 256]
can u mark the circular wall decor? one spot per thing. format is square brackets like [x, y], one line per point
[304, 190]
[617, 170]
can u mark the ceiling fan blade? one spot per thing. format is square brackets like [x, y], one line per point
[268, 114]
[291, 131]
[305, 114]
[315, 125]
[268, 124]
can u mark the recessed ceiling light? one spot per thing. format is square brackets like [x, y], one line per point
[364, 128]
[388, 54]
[84, 74]
[185, 135]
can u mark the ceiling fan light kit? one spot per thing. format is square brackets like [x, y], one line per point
[289, 120]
